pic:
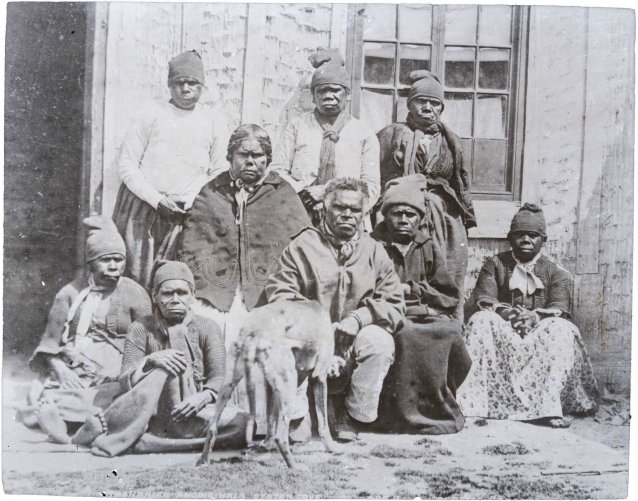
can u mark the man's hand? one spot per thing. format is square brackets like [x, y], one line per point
[406, 289]
[172, 361]
[345, 332]
[168, 207]
[190, 406]
[67, 378]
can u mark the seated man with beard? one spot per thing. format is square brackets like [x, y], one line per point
[431, 360]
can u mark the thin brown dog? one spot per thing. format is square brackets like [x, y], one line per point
[290, 341]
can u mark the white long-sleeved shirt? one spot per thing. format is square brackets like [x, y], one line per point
[170, 151]
[296, 157]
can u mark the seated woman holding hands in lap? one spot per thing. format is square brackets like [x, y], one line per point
[529, 360]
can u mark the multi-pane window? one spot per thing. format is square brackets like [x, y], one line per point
[477, 53]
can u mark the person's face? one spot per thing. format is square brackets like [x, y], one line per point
[425, 110]
[344, 212]
[174, 298]
[403, 223]
[185, 92]
[330, 99]
[249, 161]
[107, 269]
[525, 244]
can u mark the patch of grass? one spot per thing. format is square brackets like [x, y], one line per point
[428, 442]
[389, 464]
[442, 451]
[410, 475]
[515, 448]
[480, 422]
[514, 487]
[267, 478]
[387, 451]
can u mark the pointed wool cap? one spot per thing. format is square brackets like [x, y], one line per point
[405, 191]
[187, 64]
[425, 84]
[530, 217]
[170, 270]
[330, 68]
[103, 238]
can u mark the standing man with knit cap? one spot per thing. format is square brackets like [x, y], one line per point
[169, 153]
[328, 142]
[529, 360]
[172, 371]
[424, 146]
[80, 353]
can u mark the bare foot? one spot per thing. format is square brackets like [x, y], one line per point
[51, 422]
[92, 428]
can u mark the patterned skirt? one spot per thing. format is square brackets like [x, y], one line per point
[544, 375]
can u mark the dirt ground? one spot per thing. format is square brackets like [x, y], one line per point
[488, 459]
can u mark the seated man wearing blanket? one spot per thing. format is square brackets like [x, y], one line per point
[529, 360]
[172, 370]
[431, 359]
[81, 350]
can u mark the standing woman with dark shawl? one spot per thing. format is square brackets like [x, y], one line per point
[424, 146]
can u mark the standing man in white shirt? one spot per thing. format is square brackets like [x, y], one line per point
[327, 143]
[169, 153]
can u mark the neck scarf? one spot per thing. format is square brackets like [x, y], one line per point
[327, 162]
[184, 385]
[344, 247]
[89, 299]
[523, 277]
[243, 192]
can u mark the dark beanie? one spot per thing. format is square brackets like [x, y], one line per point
[425, 84]
[187, 64]
[103, 238]
[403, 191]
[330, 68]
[171, 270]
[529, 218]
[249, 131]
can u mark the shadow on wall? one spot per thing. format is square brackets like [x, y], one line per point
[44, 102]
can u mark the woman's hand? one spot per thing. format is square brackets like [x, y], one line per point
[169, 207]
[66, 377]
[172, 361]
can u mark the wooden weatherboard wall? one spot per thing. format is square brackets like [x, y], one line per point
[578, 121]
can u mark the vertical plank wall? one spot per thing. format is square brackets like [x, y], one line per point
[577, 159]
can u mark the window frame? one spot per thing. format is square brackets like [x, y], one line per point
[516, 91]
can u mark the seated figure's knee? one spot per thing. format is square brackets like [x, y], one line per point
[372, 340]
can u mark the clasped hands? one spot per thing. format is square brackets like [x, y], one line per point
[521, 319]
[175, 363]
[171, 206]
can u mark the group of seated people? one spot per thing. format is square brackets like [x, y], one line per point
[132, 368]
